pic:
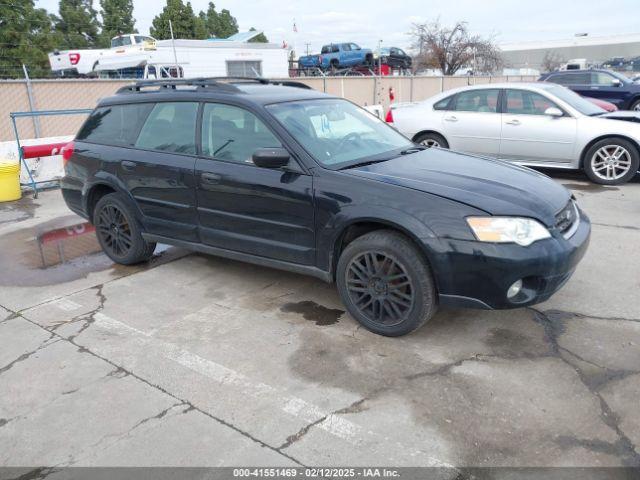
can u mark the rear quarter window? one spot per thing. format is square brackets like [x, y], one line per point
[115, 125]
[443, 104]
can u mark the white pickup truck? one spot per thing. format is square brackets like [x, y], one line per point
[83, 62]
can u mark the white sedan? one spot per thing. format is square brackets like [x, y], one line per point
[534, 124]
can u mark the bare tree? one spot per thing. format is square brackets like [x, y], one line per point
[552, 61]
[452, 48]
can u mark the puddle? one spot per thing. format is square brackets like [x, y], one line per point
[590, 187]
[61, 250]
[314, 312]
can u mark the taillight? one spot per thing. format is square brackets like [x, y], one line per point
[67, 152]
[389, 117]
[74, 58]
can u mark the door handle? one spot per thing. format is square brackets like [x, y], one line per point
[128, 166]
[513, 122]
[451, 119]
[210, 178]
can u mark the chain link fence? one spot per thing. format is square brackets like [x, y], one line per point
[23, 95]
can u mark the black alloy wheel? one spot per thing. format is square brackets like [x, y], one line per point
[380, 288]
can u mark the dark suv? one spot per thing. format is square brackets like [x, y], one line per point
[296, 179]
[601, 84]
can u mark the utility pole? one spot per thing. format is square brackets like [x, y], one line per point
[173, 45]
[307, 45]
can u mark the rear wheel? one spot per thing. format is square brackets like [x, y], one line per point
[431, 139]
[635, 106]
[611, 161]
[385, 283]
[118, 232]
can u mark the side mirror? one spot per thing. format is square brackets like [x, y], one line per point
[616, 82]
[271, 157]
[553, 112]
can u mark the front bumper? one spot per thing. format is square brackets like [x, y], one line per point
[477, 275]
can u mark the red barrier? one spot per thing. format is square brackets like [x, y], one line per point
[44, 150]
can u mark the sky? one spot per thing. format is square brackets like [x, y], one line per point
[368, 21]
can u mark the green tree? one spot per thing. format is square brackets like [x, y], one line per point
[78, 24]
[184, 21]
[201, 31]
[262, 38]
[117, 18]
[227, 24]
[218, 24]
[26, 36]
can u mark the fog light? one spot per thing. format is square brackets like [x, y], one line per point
[514, 289]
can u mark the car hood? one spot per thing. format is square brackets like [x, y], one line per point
[491, 185]
[626, 115]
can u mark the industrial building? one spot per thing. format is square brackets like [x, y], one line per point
[531, 55]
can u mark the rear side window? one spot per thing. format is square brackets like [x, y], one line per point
[482, 101]
[233, 134]
[570, 78]
[115, 125]
[170, 127]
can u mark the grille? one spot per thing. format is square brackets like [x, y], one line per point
[567, 219]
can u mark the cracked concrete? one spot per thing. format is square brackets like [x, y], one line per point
[198, 361]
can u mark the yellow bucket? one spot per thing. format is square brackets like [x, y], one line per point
[9, 182]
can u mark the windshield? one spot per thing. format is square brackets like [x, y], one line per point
[581, 104]
[338, 133]
[619, 76]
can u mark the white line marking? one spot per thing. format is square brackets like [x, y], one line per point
[67, 305]
[336, 425]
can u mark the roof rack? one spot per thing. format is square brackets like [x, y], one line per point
[291, 83]
[173, 83]
[227, 84]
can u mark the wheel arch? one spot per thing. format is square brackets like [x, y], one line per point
[358, 227]
[633, 100]
[591, 143]
[102, 185]
[422, 132]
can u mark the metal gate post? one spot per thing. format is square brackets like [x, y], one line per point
[32, 103]
[22, 160]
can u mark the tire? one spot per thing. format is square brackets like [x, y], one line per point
[635, 105]
[611, 161]
[387, 307]
[119, 233]
[431, 139]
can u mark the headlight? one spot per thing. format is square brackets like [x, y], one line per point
[523, 231]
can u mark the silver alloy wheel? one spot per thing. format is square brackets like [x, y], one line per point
[636, 107]
[611, 162]
[430, 142]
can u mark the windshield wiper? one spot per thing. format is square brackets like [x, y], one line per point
[411, 150]
[364, 163]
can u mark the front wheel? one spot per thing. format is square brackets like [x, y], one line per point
[118, 232]
[635, 106]
[431, 139]
[611, 161]
[386, 284]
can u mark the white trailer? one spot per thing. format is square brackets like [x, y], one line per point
[234, 56]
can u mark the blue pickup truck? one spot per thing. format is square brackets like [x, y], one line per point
[337, 55]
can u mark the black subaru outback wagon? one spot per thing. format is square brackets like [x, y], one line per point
[288, 177]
